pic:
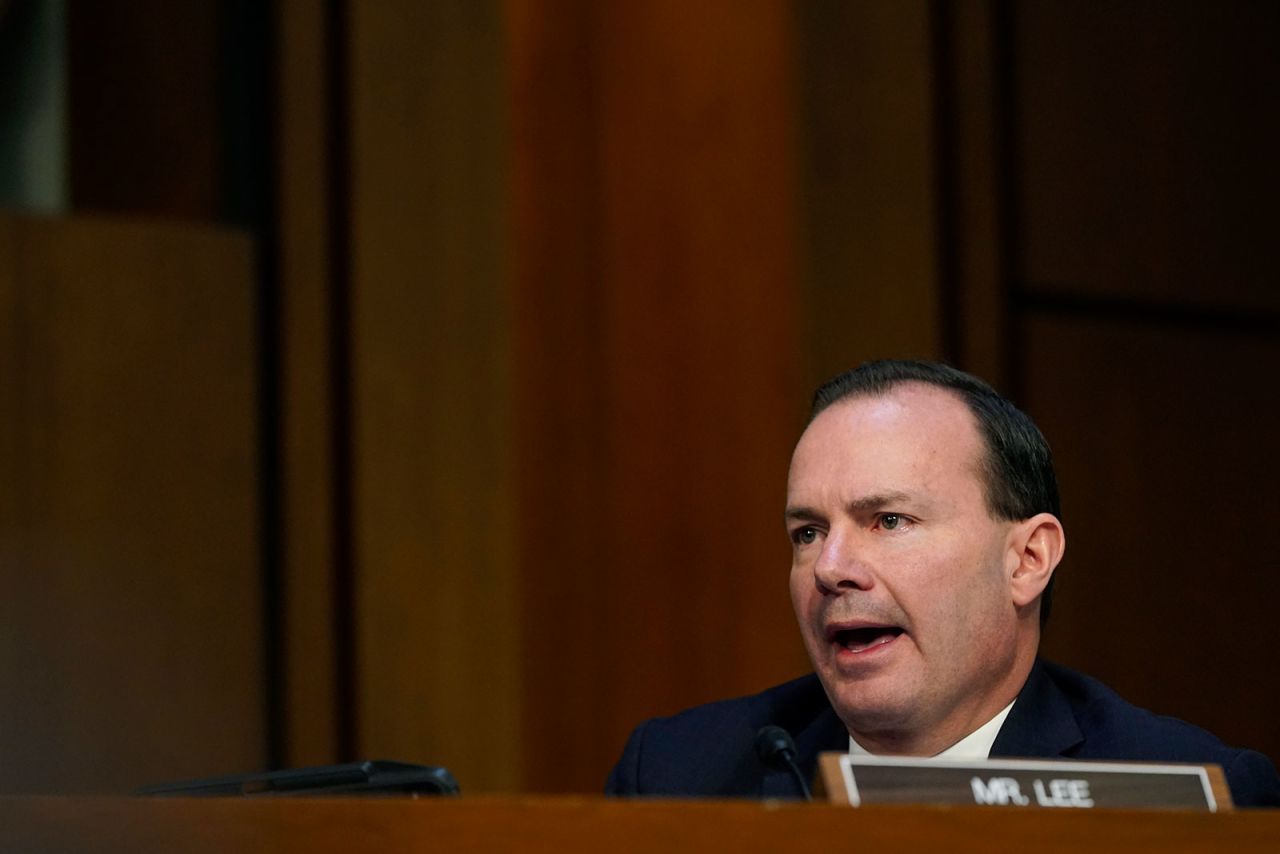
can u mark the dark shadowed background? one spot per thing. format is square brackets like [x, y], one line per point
[418, 379]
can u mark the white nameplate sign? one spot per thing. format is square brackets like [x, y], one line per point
[1038, 783]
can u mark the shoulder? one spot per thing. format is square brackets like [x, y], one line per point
[1111, 724]
[1113, 728]
[708, 750]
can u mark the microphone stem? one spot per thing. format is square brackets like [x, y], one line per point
[795, 772]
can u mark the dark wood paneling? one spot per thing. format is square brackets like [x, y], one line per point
[1165, 443]
[561, 398]
[869, 203]
[132, 646]
[1146, 143]
[971, 278]
[437, 614]
[654, 200]
[145, 129]
[307, 414]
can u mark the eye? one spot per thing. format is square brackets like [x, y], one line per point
[804, 536]
[892, 521]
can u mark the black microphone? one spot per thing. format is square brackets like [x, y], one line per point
[776, 749]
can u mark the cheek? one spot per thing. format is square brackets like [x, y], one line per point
[938, 589]
[797, 587]
[968, 591]
[806, 600]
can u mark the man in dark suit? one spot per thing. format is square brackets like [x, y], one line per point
[924, 517]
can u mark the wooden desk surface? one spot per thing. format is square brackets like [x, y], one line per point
[66, 824]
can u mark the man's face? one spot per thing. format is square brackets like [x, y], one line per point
[899, 573]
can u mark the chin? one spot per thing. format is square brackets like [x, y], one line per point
[870, 719]
[869, 708]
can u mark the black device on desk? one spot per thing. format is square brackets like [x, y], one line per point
[371, 777]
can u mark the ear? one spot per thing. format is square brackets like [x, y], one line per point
[1036, 545]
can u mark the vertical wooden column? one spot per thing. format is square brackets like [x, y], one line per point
[972, 179]
[870, 184]
[437, 644]
[308, 610]
[653, 220]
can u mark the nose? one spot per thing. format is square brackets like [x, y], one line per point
[841, 565]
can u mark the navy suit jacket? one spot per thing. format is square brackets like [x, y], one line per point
[709, 750]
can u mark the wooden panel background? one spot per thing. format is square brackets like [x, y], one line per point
[1168, 466]
[1148, 136]
[869, 204]
[657, 362]
[144, 122]
[132, 647]
[310, 716]
[436, 611]
[971, 158]
[1143, 277]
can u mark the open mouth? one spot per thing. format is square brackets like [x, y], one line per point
[863, 638]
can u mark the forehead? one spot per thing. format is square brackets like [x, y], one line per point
[914, 437]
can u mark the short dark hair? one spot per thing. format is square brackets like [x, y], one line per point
[1018, 466]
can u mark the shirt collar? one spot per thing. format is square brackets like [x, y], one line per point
[975, 745]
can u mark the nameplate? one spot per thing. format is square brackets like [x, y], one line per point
[1029, 783]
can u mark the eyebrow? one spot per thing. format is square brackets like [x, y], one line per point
[877, 502]
[801, 514]
[865, 504]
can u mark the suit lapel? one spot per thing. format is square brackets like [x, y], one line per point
[1041, 723]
